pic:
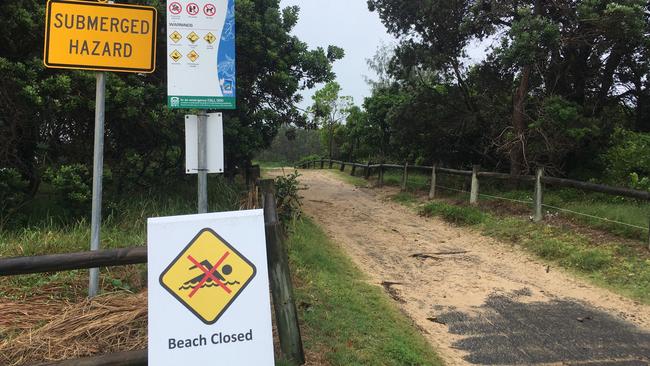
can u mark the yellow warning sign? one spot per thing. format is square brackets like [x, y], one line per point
[207, 276]
[193, 37]
[193, 55]
[210, 38]
[176, 55]
[98, 36]
[175, 37]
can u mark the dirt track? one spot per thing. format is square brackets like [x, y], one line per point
[476, 300]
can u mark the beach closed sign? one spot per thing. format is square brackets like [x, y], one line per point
[100, 36]
[209, 290]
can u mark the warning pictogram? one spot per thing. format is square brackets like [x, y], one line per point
[193, 37]
[210, 10]
[176, 55]
[193, 55]
[210, 38]
[175, 36]
[192, 9]
[207, 276]
[175, 8]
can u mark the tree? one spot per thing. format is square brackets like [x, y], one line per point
[47, 119]
[330, 110]
[586, 53]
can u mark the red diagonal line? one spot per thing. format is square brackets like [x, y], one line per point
[209, 274]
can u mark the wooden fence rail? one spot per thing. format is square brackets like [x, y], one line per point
[475, 174]
[131, 358]
[72, 261]
[558, 182]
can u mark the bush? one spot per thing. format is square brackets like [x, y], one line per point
[12, 193]
[628, 159]
[590, 259]
[308, 158]
[71, 185]
[458, 215]
[288, 198]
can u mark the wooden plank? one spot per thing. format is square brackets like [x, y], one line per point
[503, 176]
[466, 173]
[71, 261]
[405, 177]
[432, 190]
[132, 358]
[601, 188]
[286, 314]
[473, 196]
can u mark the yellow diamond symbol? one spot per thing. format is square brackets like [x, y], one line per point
[207, 276]
[193, 55]
[175, 36]
[210, 38]
[175, 55]
[193, 37]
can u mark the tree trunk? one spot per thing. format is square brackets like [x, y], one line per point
[331, 139]
[519, 124]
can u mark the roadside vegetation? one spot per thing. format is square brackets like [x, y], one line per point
[611, 261]
[346, 320]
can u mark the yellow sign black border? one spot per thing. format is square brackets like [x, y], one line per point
[96, 67]
[243, 287]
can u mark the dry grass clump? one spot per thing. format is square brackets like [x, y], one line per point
[47, 330]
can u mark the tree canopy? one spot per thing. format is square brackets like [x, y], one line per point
[48, 115]
[558, 78]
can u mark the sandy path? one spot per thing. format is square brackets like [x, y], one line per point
[489, 304]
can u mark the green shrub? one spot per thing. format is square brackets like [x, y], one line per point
[458, 215]
[590, 259]
[551, 248]
[12, 193]
[628, 159]
[288, 198]
[72, 187]
[308, 158]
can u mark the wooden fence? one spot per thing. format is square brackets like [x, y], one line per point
[539, 180]
[286, 314]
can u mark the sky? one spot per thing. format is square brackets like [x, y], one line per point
[349, 25]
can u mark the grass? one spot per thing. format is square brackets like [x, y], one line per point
[346, 320]
[405, 198]
[354, 180]
[124, 225]
[462, 216]
[622, 267]
[416, 181]
[273, 164]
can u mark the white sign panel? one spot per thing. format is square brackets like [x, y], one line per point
[201, 54]
[209, 290]
[215, 144]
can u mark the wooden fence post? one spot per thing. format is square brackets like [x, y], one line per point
[342, 166]
[432, 191]
[286, 315]
[322, 163]
[367, 176]
[354, 169]
[473, 197]
[538, 215]
[331, 163]
[380, 182]
[649, 234]
[405, 176]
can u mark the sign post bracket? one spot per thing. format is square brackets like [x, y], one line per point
[202, 134]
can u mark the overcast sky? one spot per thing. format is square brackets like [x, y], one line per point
[349, 25]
